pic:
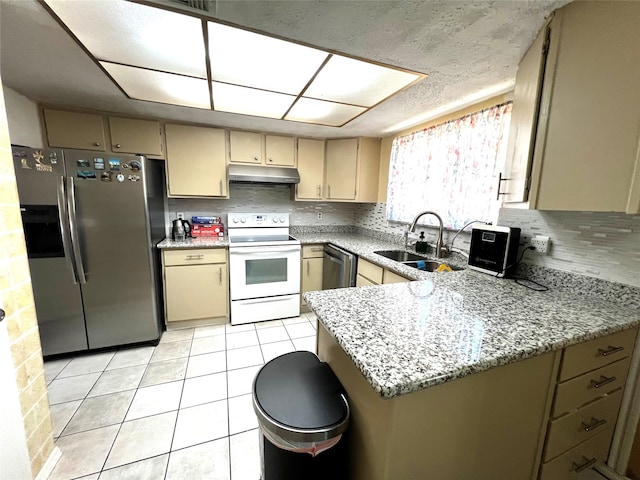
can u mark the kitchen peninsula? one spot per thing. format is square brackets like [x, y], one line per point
[455, 377]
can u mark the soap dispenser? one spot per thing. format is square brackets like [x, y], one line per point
[421, 245]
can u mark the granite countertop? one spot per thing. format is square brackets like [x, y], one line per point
[200, 242]
[409, 336]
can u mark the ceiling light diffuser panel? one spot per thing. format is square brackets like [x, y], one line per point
[162, 87]
[160, 56]
[250, 101]
[138, 35]
[355, 82]
[254, 60]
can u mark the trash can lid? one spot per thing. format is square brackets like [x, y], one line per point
[296, 393]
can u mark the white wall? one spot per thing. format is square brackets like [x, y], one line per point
[23, 116]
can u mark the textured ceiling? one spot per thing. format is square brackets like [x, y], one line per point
[464, 46]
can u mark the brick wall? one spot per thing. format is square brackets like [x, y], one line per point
[15, 285]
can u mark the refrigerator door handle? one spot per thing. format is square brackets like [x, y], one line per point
[64, 229]
[73, 227]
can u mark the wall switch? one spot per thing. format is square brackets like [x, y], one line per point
[319, 215]
[180, 215]
[540, 243]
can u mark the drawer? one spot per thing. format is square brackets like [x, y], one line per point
[370, 271]
[362, 281]
[574, 428]
[597, 353]
[312, 251]
[569, 465]
[581, 390]
[194, 256]
[391, 277]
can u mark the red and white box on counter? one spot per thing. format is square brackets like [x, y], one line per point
[207, 226]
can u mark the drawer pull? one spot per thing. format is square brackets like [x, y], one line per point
[317, 249]
[609, 351]
[195, 257]
[603, 381]
[220, 276]
[595, 423]
[587, 463]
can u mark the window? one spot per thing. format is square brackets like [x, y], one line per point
[451, 169]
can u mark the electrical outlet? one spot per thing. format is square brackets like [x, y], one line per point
[180, 215]
[540, 243]
[319, 215]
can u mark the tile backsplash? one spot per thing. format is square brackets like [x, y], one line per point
[604, 245]
[261, 198]
[600, 245]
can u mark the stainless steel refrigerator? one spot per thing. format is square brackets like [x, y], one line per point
[92, 221]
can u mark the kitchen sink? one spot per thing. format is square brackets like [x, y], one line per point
[399, 255]
[429, 266]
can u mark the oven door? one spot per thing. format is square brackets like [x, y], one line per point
[264, 271]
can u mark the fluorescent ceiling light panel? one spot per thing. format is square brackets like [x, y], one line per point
[323, 113]
[253, 60]
[160, 87]
[347, 80]
[138, 35]
[249, 101]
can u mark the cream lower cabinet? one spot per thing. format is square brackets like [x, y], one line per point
[196, 287]
[371, 274]
[576, 148]
[196, 161]
[311, 274]
[585, 408]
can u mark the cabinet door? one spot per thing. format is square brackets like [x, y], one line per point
[196, 161]
[245, 147]
[129, 135]
[591, 143]
[311, 169]
[195, 291]
[280, 151]
[391, 277]
[74, 130]
[524, 119]
[363, 282]
[341, 169]
[311, 275]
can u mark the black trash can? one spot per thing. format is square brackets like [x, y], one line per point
[302, 411]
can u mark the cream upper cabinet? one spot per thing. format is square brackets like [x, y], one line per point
[83, 131]
[352, 169]
[129, 135]
[196, 161]
[245, 147]
[280, 150]
[586, 138]
[311, 169]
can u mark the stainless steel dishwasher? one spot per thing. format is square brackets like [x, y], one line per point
[338, 268]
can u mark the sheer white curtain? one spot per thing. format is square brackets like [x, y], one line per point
[450, 168]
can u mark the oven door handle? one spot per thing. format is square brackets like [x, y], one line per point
[261, 251]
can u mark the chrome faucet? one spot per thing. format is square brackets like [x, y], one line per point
[412, 227]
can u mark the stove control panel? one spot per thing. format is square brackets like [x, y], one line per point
[257, 220]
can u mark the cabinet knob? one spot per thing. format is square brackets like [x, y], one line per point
[2, 314]
[255, 159]
[271, 159]
[97, 144]
[117, 145]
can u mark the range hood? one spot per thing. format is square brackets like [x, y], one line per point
[263, 174]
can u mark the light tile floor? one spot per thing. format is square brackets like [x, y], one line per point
[181, 410]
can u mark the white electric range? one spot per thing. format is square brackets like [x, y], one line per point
[264, 267]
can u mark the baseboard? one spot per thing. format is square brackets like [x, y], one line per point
[50, 464]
